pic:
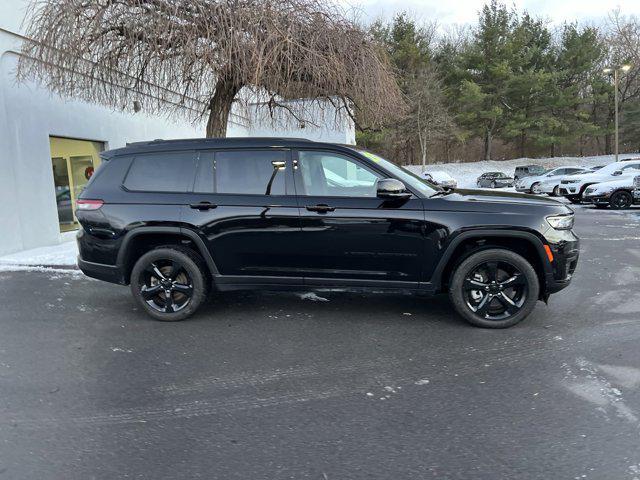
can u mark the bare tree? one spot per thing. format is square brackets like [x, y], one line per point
[193, 57]
[428, 119]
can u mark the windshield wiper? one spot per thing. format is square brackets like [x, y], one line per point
[444, 191]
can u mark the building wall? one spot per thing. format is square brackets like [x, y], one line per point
[29, 114]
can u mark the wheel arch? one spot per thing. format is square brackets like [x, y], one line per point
[525, 243]
[142, 239]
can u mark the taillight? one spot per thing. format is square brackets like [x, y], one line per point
[89, 204]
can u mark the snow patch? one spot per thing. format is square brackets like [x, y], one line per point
[63, 254]
[123, 350]
[312, 296]
[596, 389]
[423, 381]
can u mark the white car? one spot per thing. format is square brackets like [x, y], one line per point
[531, 184]
[440, 178]
[551, 185]
[617, 194]
[573, 187]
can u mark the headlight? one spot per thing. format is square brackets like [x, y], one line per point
[561, 222]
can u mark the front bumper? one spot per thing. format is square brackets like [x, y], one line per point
[522, 189]
[565, 260]
[596, 199]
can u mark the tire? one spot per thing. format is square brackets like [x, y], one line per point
[621, 200]
[494, 185]
[556, 191]
[188, 286]
[523, 295]
[534, 187]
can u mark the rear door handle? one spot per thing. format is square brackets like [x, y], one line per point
[203, 206]
[322, 208]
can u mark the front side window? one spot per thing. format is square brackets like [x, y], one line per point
[162, 172]
[633, 166]
[250, 172]
[333, 175]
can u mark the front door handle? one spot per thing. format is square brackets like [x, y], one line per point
[203, 206]
[322, 208]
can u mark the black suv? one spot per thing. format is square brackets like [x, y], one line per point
[176, 219]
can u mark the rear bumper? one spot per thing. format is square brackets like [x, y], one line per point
[100, 271]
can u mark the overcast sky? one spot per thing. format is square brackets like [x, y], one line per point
[448, 12]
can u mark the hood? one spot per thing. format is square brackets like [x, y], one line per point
[621, 181]
[471, 195]
[501, 202]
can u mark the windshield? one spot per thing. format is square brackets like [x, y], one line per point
[413, 181]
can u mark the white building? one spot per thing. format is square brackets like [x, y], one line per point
[49, 145]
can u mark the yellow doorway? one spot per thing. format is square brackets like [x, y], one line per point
[73, 162]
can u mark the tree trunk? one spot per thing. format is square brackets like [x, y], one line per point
[487, 144]
[523, 139]
[220, 107]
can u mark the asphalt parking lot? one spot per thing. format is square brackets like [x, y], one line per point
[283, 386]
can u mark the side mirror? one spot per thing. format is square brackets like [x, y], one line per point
[392, 189]
[617, 172]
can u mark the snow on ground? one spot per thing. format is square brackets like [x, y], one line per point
[467, 173]
[64, 255]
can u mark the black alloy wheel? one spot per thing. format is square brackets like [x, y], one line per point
[621, 200]
[494, 288]
[166, 286]
[170, 282]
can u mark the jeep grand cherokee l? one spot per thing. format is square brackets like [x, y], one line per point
[177, 219]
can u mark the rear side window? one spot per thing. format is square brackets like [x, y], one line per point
[249, 172]
[162, 172]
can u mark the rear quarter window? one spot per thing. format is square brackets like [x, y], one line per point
[161, 172]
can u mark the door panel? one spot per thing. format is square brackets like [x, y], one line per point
[247, 231]
[356, 236]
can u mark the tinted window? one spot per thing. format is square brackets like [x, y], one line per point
[249, 172]
[334, 175]
[204, 182]
[162, 172]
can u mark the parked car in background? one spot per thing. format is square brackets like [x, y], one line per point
[527, 171]
[531, 183]
[573, 188]
[636, 188]
[618, 194]
[494, 180]
[551, 185]
[176, 219]
[439, 177]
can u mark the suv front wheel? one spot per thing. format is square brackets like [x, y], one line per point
[169, 282]
[494, 288]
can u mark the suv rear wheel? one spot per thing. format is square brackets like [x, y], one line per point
[494, 288]
[169, 282]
